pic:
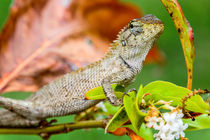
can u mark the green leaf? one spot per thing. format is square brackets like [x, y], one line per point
[197, 104]
[145, 132]
[140, 94]
[98, 93]
[135, 115]
[111, 110]
[117, 120]
[201, 122]
[161, 90]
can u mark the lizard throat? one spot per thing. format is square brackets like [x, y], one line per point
[135, 59]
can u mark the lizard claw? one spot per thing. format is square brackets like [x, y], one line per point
[45, 123]
[132, 89]
[117, 102]
[124, 94]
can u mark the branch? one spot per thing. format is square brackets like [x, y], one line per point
[185, 32]
[45, 132]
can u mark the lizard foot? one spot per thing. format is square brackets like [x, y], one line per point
[132, 89]
[45, 123]
[117, 102]
[125, 94]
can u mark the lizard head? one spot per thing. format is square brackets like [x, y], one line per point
[138, 36]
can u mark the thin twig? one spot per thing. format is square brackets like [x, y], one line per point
[55, 129]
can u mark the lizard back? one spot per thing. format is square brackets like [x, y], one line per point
[67, 92]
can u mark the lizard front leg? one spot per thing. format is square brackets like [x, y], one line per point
[109, 92]
[124, 76]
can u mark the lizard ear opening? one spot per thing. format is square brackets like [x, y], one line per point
[123, 42]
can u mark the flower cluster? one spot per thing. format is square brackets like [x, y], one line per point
[169, 126]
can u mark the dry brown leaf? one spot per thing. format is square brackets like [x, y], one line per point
[43, 39]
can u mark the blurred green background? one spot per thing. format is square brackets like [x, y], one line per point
[197, 13]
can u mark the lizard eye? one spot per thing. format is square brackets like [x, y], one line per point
[131, 26]
[136, 30]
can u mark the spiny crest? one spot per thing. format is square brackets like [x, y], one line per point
[89, 66]
[121, 31]
[115, 44]
[109, 53]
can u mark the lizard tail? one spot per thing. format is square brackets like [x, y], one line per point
[10, 119]
[21, 107]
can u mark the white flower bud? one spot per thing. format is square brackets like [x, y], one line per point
[170, 126]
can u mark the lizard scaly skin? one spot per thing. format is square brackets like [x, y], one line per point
[65, 96]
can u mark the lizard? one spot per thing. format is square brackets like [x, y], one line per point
[66, 95]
